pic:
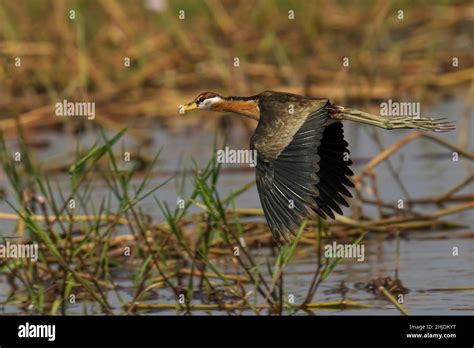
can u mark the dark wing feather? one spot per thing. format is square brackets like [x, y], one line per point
[287, 185]
[334, 170]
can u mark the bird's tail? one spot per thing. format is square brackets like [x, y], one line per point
[391, 122]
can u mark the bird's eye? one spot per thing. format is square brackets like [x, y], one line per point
[201, 99]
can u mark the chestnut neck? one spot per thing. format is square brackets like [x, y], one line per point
[244, 106]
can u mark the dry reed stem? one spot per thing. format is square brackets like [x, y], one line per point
[345, 304]
[390, 297]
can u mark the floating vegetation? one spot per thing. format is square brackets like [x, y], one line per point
[393, 286]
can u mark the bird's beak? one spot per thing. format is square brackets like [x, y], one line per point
[190, 106]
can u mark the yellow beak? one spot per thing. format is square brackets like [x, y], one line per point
[190, 106]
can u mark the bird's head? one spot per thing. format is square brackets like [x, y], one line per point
[246, 106]
[205, 101]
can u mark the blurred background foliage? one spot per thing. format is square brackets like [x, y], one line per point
[173, 59]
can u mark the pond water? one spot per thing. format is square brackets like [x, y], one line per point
[427, 264]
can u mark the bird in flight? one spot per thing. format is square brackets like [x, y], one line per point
[303, 164]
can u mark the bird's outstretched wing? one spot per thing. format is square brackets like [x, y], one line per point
[307, 175]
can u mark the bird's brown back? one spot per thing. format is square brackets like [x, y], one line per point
[281, 116]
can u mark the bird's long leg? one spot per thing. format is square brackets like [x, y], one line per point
[392, 122]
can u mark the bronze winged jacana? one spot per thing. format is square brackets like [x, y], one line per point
[303, 165]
